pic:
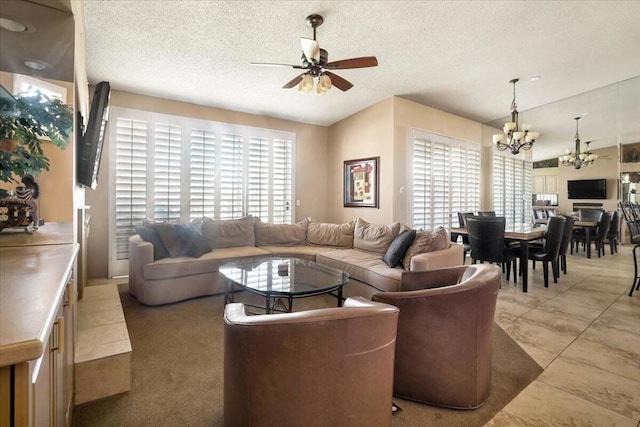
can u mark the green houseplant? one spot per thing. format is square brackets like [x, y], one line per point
[24, 121]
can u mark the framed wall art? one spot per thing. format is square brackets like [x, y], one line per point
[361, 183]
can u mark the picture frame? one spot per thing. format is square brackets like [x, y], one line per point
[362, 183]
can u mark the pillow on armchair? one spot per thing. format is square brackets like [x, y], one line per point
[426, 241]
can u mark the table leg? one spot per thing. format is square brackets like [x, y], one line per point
[340, 296]
[587, 232]
[524, 263]
[267, 308]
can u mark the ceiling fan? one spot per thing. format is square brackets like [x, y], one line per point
[314, 62]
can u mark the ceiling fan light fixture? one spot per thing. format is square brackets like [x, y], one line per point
[325, 82]
[306, 84]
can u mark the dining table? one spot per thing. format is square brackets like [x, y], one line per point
[523, 233]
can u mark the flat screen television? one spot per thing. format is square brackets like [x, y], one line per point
[90, 143]
[587, 189]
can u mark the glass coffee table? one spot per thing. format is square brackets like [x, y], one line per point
[281, 279]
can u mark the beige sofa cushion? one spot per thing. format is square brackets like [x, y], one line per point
[374, 237]
[335, 235]
[363, 266]
[304, 252]
[281, 234]
[426, 241]
[229, 233]
[208, 263]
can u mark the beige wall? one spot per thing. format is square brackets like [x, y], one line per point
[57, 184]
[310, 174]
[368, 133]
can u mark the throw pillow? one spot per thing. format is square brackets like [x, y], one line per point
[281, 234]
[374, 237]
[229, 233]
[325, 234]
[426, 241]
[397, 248]
[182, 240]
[149, 234]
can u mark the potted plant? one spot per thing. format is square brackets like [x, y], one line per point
[24, 121]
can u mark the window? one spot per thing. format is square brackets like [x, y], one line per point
[444, 179]
[27, 86]
[512, 188]
[169, 168]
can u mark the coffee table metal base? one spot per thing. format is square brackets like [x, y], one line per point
[274, 301]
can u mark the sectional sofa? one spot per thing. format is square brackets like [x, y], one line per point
[175, 262]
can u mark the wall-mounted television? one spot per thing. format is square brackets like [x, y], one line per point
[587, 189]
[90, 143]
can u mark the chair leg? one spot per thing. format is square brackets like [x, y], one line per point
[508, 267]
[563, 260]
[554, 267]
[515, 269]
[545, 270]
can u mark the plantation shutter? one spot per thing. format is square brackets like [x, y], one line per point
[512, 188]
[445, 179]
[258, 178]
[282, 167]
[203, 174]
[231, 177]
[166, 182]
[170, 168]
[130, 181]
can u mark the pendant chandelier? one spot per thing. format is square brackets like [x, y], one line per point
[579, 158]
[517, 137]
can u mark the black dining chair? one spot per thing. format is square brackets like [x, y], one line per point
[566, 241]
[612, 236]
[486, 213]
[578, 236]
[599, 235]
[550, 250]
[633, 226]
[462, 222]
[486, 238]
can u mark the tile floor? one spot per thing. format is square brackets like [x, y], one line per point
[585, 332]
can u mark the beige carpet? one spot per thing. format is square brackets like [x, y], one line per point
[177, 371]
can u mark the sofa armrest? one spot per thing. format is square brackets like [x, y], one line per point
[140, 253]
[451, 257]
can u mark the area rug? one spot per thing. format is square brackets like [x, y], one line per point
[177, 371]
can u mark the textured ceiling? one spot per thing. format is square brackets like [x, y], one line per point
[457, 56]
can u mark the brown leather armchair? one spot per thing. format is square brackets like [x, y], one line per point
[445, 332]
[325, 367]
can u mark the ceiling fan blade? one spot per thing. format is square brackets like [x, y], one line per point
[311, 49]
[343, 64]
[268, 64]
[339, 82]
[293, 82]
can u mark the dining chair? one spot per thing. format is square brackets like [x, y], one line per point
[612, 236]
[462, 222]
[486, 213]
[578, 236]
[633, 226]
[599, 235]
[550, 251]
[486, 238]
[566, 241]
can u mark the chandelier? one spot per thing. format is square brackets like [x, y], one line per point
[579, 158]
[517, 137]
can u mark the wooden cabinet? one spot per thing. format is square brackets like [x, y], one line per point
[545, 184]
[36, 373]
[43, 388]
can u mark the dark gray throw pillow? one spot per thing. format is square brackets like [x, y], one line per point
[149, 234]
[398, 247]
[182, 240]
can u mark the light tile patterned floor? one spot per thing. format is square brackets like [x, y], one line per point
[585, 332]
